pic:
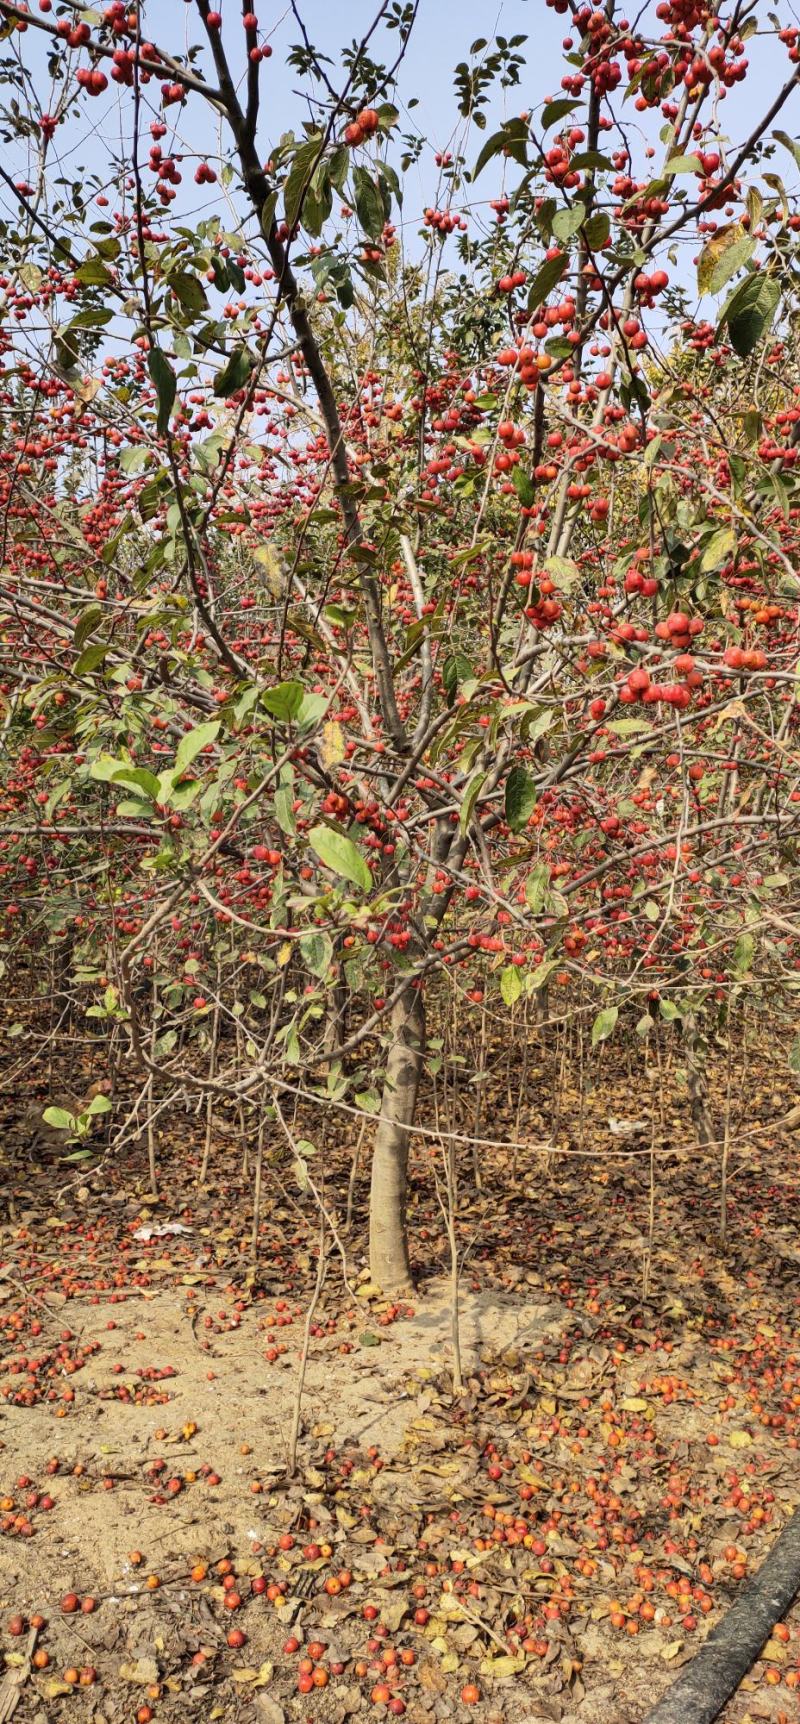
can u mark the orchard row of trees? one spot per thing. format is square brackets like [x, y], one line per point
[396, 605]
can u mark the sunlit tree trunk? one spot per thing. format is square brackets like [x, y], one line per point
[388, 1241]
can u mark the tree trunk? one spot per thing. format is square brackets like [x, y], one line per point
[388, 1244]
[696, 1079]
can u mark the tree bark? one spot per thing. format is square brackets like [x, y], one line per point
[698, 1088]
[390, 1267]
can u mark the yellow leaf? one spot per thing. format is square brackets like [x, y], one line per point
[671, 1651]
[284, 954]
[332, 743]
[739, 1439]
[506, 1665]
[53, 1687]
[268, 557]
[529, 1477]
[88, 388]
[145, 1670]
[634, 1404]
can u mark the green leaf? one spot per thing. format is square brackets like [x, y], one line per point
[99, 1104]
[683, 165]
[284, 701]
[563, 570]
[369, 203]
[318, 201]
[284, 811]
[304, 162]
[744, 953]
[189, 291]
[536, 887]
[312, 708]
[94, 273]
[86, 624]
[566, 223]
[794, 1056]
[510, 984]
[93, 318]
[555, 111]
[470, 798]
[298, 178]
[718, 549]
[510, 140]
[31, 276]
[604, 1024]
[127, 809]
[627, 726]
[138, 778]
[266, 214]
[520, 798]
[166, 386]
[727, 251]
[107, 770]
[750, 311]
[524, 487]
[178, 796]
[193, 744]
[456, 669]
[134, 458]
[790, 144]
[316, 950]
[597, 230]
[235, 374]
[539, 977]
[341, 855]
[59, 1117]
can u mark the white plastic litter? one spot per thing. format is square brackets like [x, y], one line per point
[149, 1232]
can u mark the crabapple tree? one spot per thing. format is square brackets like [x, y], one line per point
[398, 604]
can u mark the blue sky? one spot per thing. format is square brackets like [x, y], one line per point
[443, 34]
